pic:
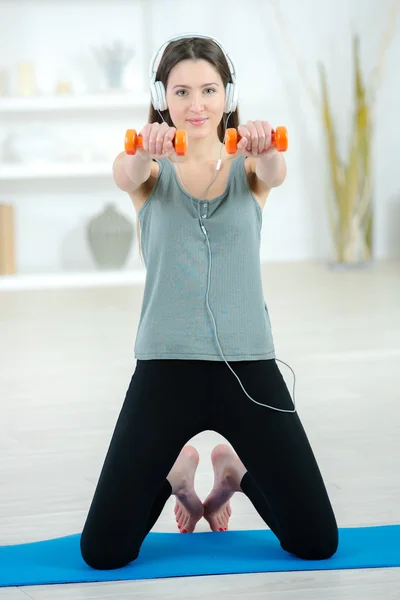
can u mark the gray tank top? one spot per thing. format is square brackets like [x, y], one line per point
[175, 322]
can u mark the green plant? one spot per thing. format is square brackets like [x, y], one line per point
[351, 201]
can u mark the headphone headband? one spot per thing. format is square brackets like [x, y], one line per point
[157, 90]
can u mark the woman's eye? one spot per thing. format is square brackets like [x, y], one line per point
[209, 92]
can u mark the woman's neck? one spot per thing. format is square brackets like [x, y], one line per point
[201, 152]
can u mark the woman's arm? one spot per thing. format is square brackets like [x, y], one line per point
[270, 168]
[265, 161]
[130, 172]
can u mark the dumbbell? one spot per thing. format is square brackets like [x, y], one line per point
[133, 141]
[279, 139]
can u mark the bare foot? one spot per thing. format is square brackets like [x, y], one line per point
[228, 473]
[189, 508]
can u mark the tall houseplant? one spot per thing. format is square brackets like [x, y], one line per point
[350, 199]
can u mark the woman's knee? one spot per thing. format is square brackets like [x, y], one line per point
[104, 557]
[321, 550]
[321, 546]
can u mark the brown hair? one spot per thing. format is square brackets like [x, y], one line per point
[193, 48]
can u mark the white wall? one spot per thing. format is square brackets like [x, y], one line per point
[57, 36]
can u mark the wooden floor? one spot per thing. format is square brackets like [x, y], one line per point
[66, 357]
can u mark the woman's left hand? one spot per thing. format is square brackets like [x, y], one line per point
[256, 138]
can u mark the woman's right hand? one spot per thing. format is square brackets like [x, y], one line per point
[157, 141]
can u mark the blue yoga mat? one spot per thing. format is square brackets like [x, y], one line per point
[176, 555]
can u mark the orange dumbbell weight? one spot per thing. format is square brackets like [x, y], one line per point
[133, 141]
[279, 139]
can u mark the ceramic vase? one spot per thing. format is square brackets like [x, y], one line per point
[110, 236]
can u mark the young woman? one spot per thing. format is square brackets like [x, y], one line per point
[204, 346]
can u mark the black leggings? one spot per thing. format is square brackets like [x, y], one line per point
[170, 401]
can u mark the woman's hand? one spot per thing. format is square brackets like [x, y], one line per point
[256, 138]
[157, 140]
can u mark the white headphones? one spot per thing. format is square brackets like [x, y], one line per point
[157, 89]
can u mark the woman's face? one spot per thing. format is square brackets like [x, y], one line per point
[195, 97]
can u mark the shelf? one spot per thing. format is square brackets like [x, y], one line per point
[11, 172]
[89, 279]
[110, 101]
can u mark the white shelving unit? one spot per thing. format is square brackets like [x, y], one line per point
[47, 224]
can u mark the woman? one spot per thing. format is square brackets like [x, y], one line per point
[203, 311]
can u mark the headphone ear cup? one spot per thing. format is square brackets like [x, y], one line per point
[230, 97]
[153, 95]
[157, 95]
[162, 100]
[235, 94]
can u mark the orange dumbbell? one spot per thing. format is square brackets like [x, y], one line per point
[133, 141]
[279, 139]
